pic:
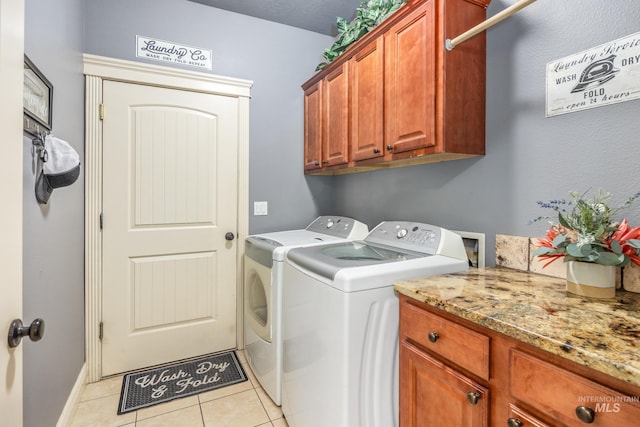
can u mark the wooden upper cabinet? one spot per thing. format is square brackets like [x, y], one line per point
[410, 81]
[397, 97]
[366, 70]
[336, 117]
[313, 127]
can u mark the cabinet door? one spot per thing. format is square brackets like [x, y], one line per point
[313, 127]
[336, 119]
[432, 394]
[410, 80]
[367, 91]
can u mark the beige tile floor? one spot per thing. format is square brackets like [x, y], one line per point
[241, 405]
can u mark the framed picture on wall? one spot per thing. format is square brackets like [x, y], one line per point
[37, 100]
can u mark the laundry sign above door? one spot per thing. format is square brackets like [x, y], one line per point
[603, 75]
[164, 51]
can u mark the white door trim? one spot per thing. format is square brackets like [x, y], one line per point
[97, 69]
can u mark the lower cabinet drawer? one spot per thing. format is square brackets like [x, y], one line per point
[462, 346]
[521, 418]
[566, 397]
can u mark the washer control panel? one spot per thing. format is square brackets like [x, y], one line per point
[411, 236]
[339, 226]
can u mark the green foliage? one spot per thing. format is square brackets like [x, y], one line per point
[368, 16]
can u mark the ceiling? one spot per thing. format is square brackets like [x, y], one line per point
[313, 15]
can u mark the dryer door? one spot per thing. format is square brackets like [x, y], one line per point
[257, 298]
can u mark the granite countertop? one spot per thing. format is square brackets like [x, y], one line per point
[603, 334]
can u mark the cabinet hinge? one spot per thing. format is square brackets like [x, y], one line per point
[101, 111]
[101, 333]
[101, 221]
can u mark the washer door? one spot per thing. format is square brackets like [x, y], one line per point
[257, 298]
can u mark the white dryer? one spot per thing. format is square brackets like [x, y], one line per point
[263, 264]
[340, 322]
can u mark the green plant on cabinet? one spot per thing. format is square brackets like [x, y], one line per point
[368, 16]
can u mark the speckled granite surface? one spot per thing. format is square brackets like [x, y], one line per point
[601, 334]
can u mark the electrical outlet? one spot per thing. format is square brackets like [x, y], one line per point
[260, 208]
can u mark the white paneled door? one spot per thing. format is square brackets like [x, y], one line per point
[11, 70]
[170, 188]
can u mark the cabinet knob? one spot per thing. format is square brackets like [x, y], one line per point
[324, 162]
[316, 163]
[376, 151]
[514, 422]
[473, 397]
[389, 147]
[586, 414]
[433, 336]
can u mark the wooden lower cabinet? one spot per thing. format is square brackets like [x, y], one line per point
[524, 386]
[432, 394]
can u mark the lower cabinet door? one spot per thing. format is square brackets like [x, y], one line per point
[433, 394]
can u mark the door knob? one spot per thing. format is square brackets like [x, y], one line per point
[17, 331]
[229, 236]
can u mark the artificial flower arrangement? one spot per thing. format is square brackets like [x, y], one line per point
[587, 231]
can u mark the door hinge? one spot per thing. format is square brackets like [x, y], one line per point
[101, 333]
[101, 111]
[101, 221]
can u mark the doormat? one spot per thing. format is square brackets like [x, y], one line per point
[150, 387]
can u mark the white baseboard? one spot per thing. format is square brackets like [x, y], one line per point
[74, 398]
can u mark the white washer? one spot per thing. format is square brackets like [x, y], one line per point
[340, 322]
[263, 265]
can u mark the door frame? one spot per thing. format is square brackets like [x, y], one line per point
[97, 69]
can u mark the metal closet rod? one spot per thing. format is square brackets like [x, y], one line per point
[450, 44]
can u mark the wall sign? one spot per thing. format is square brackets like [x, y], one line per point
[37, 100]
[606, 74]
[164, 51]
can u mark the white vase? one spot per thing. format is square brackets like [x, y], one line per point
[591, 280]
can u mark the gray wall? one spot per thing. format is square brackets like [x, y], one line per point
[53, 258]
[277, 58]
[528, 157]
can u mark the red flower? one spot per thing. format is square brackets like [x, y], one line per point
[622, 235]
[552, 233]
